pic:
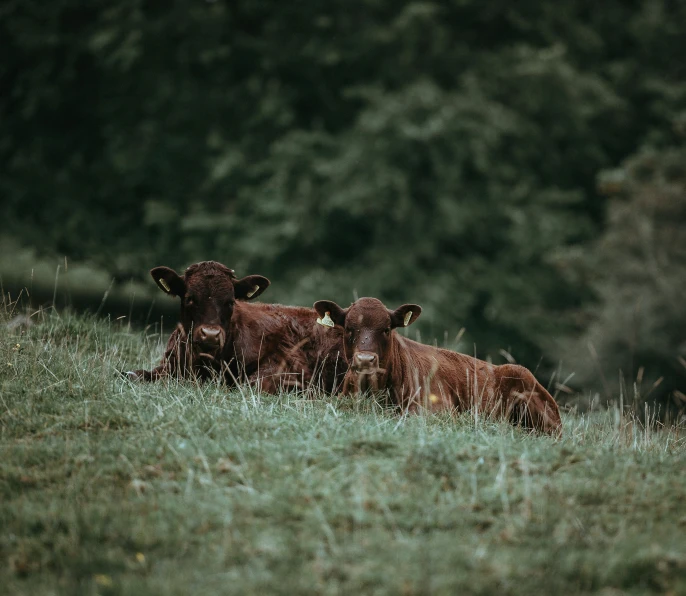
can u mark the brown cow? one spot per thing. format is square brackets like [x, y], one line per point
[220, 334]
[418, 375]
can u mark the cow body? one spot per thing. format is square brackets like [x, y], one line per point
[278, 346]
[267, 345]
[423, 376]
[420, 376]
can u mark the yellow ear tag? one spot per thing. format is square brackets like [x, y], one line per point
[326, 321]
[164, 285]
[408, 316]
[254, 290]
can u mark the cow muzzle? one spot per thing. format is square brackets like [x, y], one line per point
[364, 374]
[365, 363]
[209, 340]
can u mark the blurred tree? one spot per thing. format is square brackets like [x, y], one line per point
[444, 153]
[639, 269]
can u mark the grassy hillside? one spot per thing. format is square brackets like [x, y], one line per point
[107, 487]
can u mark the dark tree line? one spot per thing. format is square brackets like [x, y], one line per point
[461, 154]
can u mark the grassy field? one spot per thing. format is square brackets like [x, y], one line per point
[108, 487]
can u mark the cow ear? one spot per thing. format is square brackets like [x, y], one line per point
[330, 313]
[169, 281]
[405, 315]
[250, 287]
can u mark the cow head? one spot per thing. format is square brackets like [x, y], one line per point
[208, 291]
[368, 338]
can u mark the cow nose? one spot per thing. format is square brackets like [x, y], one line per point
[210, 336]
[365, 361]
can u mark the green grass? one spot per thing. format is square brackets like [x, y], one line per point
[108, 487]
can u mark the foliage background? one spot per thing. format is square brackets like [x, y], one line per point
[516, 170]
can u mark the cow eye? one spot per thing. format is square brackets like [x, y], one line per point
[189, 301]
[387, 330]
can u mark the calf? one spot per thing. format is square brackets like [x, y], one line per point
[220, 334]
[419, 375]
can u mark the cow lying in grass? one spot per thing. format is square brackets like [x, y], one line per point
[418, 375]
[220, 334]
